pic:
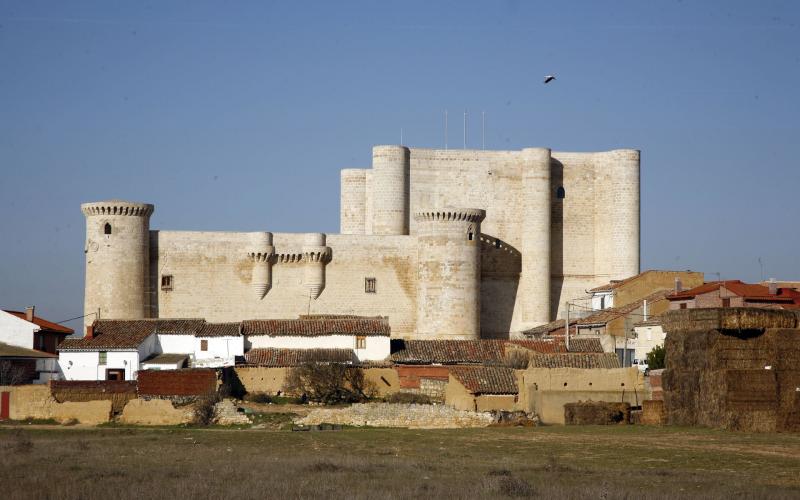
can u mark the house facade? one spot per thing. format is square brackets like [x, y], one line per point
[735, 293]
[28, 346]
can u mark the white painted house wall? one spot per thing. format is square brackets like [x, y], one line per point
[602, 300]
[377, 348]
[16, 331]
[221, 350]
[176, 344]
[647, 338]
[85, 365]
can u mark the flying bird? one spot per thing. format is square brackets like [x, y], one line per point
[549, 78]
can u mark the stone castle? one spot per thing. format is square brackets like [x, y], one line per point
[448, 244]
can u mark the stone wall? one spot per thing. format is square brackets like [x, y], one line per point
[257, 379]
[398, 415]
[189, 382]
[36, 402]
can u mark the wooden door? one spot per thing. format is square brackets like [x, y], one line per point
[5, 405]
[115, 374]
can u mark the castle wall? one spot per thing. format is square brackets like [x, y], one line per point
[212, 274]
[353, 201]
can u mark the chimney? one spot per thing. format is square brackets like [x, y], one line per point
[773, 286]
[678, 285]
[89, 332]
[29, 313]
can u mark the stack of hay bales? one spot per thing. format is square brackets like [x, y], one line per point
[596, 413]
[734, 368]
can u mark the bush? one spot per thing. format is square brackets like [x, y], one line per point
[655, 358]
[409, 398]
[330, 383]
[204, 410]
[258, 397]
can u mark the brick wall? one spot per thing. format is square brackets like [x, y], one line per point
[193, 382]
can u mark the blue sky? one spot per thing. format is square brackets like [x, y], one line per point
[239, 116]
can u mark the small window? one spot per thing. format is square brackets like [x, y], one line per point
[204, 345]
[602, 302]
[470, 236]
[726, 302]
[561, 193]
[496, 243]
[166, 282]
[361, 342]
[103, 358]
[107, 228]
[683, 306]
[369, 285]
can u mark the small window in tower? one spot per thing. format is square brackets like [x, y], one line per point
[496, 243]
[361, 342]
[369, 285]
[561, 193]
[166, 282]
[107, 228]
[470, 236]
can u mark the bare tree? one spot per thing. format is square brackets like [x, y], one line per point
[330, 383]
[12, 374]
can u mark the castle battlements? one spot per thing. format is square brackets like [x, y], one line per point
[535, 227]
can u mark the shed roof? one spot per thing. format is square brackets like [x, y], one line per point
[575, 360]
[272, 357]
[166, 359]
[486, 379]
[317, 327]
[13, 351]
[43, 323]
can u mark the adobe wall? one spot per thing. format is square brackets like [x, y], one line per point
[544, 391]
[155, 412]
[262, 379]
[386, 380]
[457, 396]
[35, 402]
[212, 278]
[652, 281]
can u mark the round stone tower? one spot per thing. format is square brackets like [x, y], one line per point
[261, 252]
[449, 273]
[391, 167]
[315, 256]
[536, 227]
[117, 259]
[623, 165]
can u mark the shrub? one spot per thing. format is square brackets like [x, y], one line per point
[204, 410]
[409, 398]
[258, 397]
[330, 383]
[655, 358]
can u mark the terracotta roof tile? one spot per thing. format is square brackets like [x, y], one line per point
[128, 334]
[220, 330]
[272, 357]
[316, 327]
[486, 379]
[43, 323]
[575, 360]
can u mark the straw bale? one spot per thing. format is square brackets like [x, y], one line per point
[596, 413]
[653, 412]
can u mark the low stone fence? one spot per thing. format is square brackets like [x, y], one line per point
[398, 415]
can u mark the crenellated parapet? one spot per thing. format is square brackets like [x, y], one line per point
[117, 207]
[262, 254]
[451, 215]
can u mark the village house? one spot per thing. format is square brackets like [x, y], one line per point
[618, 293]
[649, 334]
[28, 347]
[735, 293]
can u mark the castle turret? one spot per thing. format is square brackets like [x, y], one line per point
[535, 277]
[624, 213]
[117, 259]
[391, 167]
[449, 273]
[315, 256]
[261, 252]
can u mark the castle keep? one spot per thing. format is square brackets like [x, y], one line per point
[448, 244]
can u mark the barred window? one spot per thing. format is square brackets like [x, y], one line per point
[166, 282]
[361, 342]
[369, 285]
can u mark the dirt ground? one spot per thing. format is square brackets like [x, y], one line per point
[546, 462]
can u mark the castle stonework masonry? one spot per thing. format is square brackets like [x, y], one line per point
[448, 244]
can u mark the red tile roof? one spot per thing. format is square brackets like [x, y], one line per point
[43, 323]
[272, 357]
[220, 330]
[750, 292]
[128, 334]
[315, 327]
[604, 316]
[614, 284]
[448, 352]
[486, 379]
[575, 360]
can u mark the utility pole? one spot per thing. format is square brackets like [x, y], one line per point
[566, 327]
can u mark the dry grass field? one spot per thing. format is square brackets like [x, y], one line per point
[546, 462]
